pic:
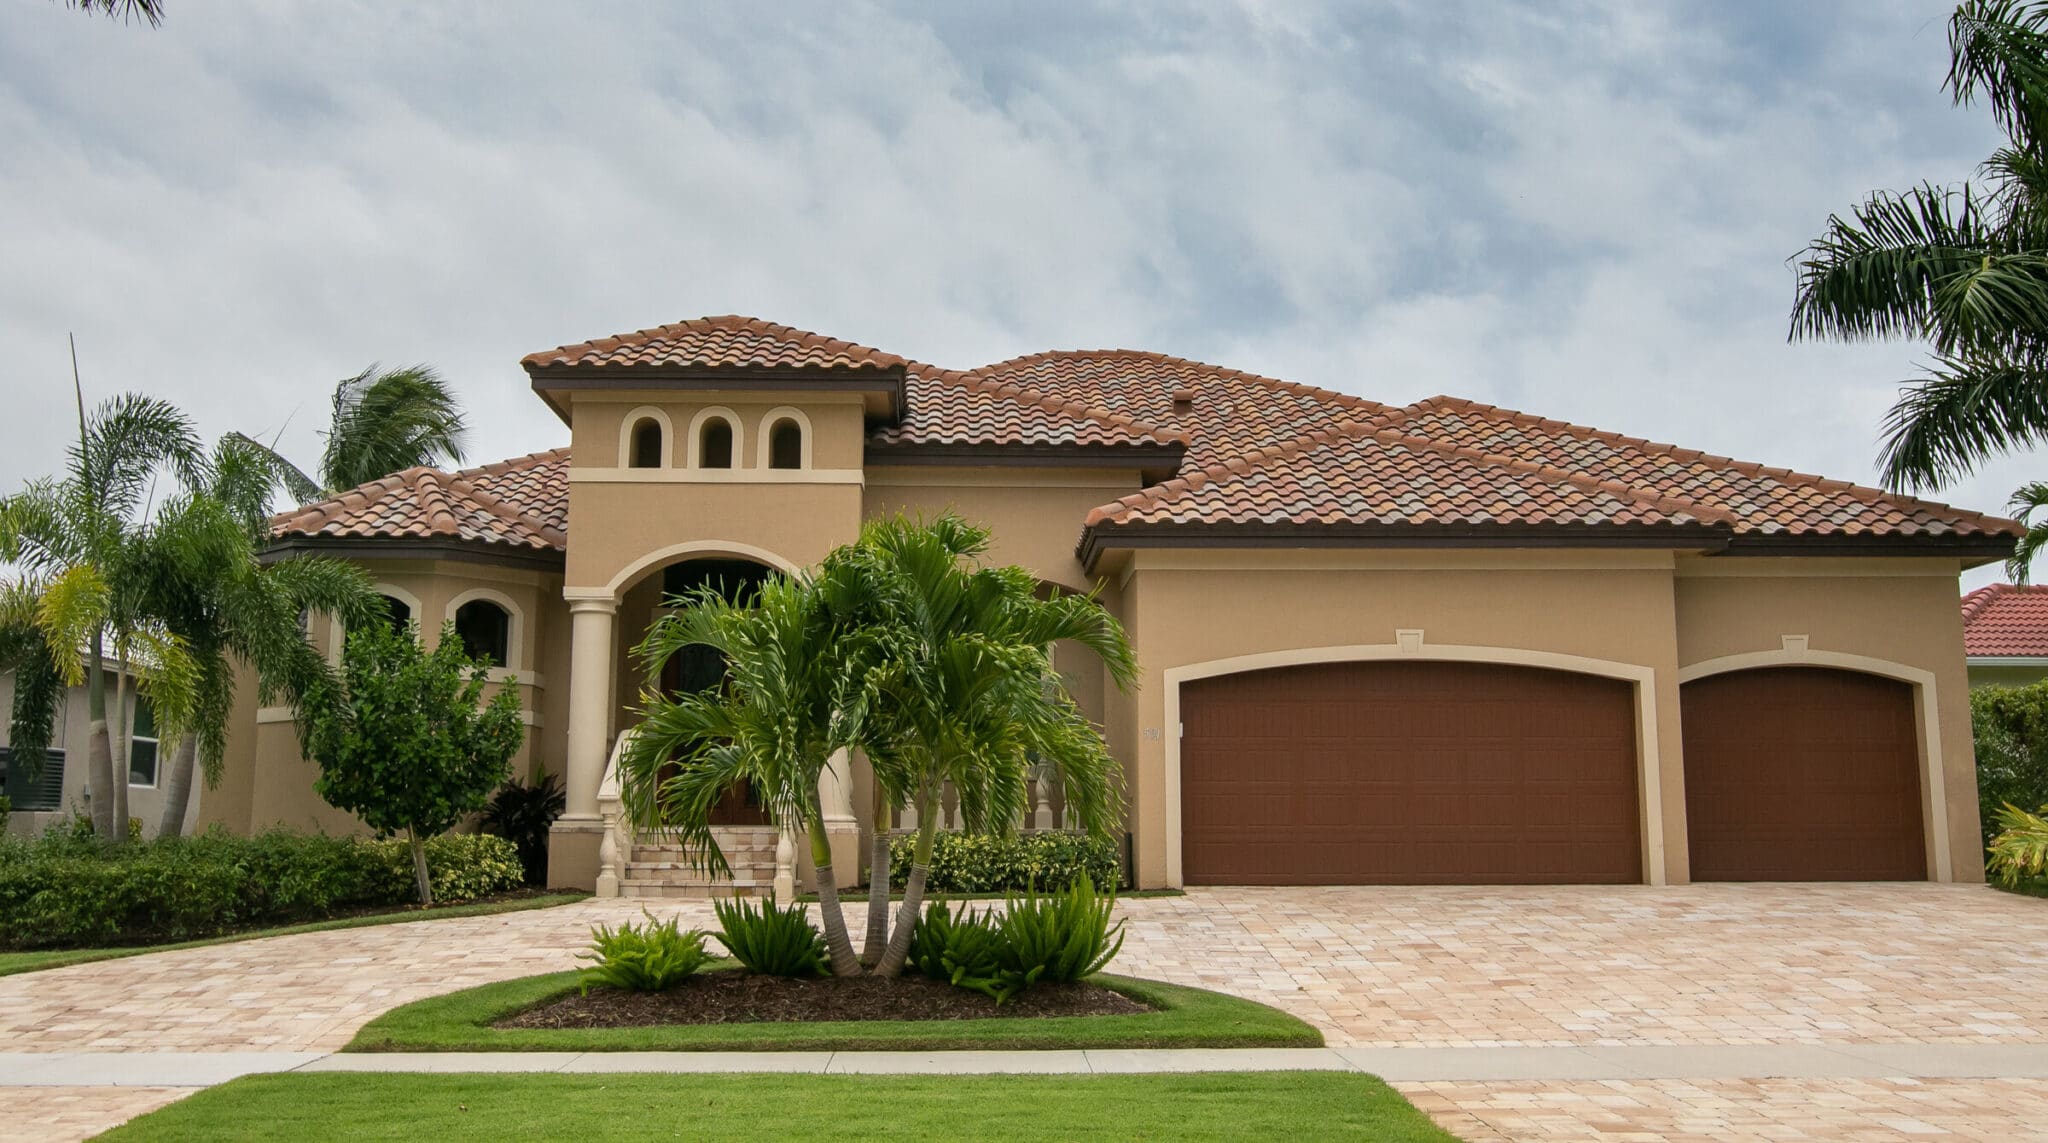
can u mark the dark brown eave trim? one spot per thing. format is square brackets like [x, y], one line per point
[1141, 456]
[382, 548]
[1708, 539]
[865, 379]
[1097, 538]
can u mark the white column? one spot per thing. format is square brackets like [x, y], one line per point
[590, 701]
[842, 829]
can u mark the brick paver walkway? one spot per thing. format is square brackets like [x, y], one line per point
[1378, 967]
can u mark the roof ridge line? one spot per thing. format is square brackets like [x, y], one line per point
[371, 491]
[1862, 492]
[1706, 513]
[1300, 388]
[559, 452]
[1014, 390]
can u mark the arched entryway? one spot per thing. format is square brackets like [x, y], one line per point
[699, 668]
[1802, 773]
[1397, 771]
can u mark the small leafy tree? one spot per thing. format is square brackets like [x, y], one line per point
[404, 737]
[2011, 729]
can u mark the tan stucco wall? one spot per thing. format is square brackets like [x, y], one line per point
[1193, 607]
[1035, 514]
[267, 782]
[1896, 611]
[619, 525]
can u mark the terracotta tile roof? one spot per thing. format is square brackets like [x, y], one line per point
[731, 341]
[519, 504]
[947, 407]
[1228, 412]
[1357, 474]
[2004, 620]
[1756, 498]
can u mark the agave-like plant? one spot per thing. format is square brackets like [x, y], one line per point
[2021, 848]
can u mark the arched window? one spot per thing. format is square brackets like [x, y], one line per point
[714, 443]
[485, 631]
[397, 612]
[786, 444]
[646, 449]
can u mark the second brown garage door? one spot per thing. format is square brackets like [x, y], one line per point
[1408, 774]
[1802, 774]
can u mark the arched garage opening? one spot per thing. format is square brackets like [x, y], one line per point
[1802, 773]
[1399, 771]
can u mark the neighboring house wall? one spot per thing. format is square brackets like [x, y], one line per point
[72, 734]
[1988, 672]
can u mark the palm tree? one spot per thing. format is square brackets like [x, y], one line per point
[790, 698]
[150, 12]
[76, 540]
[1964, 268]
[961, 691]
[201, 578]
[2026, 501]
[382, 422]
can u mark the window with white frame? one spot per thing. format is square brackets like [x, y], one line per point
[142, 744]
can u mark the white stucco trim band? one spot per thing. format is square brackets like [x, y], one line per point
[716, 476]
[1796, 651]
[1409, 645]
[670, 554]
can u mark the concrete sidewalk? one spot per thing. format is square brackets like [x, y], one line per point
[1400, 1065]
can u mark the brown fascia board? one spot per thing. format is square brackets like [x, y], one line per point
[407, 548]
[1690, 537]
[1147, 457]
[560, 378]
[1988, 546]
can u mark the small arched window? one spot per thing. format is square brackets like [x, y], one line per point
[714, 444]
[646, 448]
[396, 612]
[485, 631]
[786, 444]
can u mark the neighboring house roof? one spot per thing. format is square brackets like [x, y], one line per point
[1233, 457]
[2004, 621]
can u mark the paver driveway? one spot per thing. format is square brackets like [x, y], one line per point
[1691, 965]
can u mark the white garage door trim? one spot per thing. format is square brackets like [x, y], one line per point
[1796, 653]
[1408, 646]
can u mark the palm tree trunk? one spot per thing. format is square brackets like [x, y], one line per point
[878, 882]
[118, 749]
[99, 754]
[419, 866]
[833, 919]
[178, 787]
[913, 887]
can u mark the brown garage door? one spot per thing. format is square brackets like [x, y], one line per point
[1802, 774]
[1408, 774]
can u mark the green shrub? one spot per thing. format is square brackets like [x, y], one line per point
[654, 957]
[974, 863]
[768, 940]
[1062, 936]
[966, 948]
[67, 890]
[6, 810]
[523, 815]
[2010, 725]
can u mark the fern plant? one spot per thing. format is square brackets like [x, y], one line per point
[769, 940]
[654, 957]
[1062, 936]
[2021, 848]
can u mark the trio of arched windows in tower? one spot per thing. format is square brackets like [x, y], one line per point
[484, 627]
[717, 443]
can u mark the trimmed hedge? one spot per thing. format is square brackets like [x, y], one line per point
[62, 891]
[972, 863]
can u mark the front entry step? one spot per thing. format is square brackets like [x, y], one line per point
[662, 870]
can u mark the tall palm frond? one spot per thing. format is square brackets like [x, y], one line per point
[1966, 410]
[150, 12]
[2027, 500]
[387, 421]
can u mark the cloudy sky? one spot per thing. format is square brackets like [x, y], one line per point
[1584, 210]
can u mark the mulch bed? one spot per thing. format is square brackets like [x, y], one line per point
[737, 997]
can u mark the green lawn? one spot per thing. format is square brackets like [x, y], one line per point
[1224, 1105]
[1189, 1018]
[13, 962]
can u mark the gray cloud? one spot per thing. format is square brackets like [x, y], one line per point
[1578, 209]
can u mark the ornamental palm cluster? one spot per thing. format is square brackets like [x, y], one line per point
[1963, 268]
[901, 646]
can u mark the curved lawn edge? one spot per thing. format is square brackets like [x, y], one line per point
[15, 961]
[1186, 1018]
